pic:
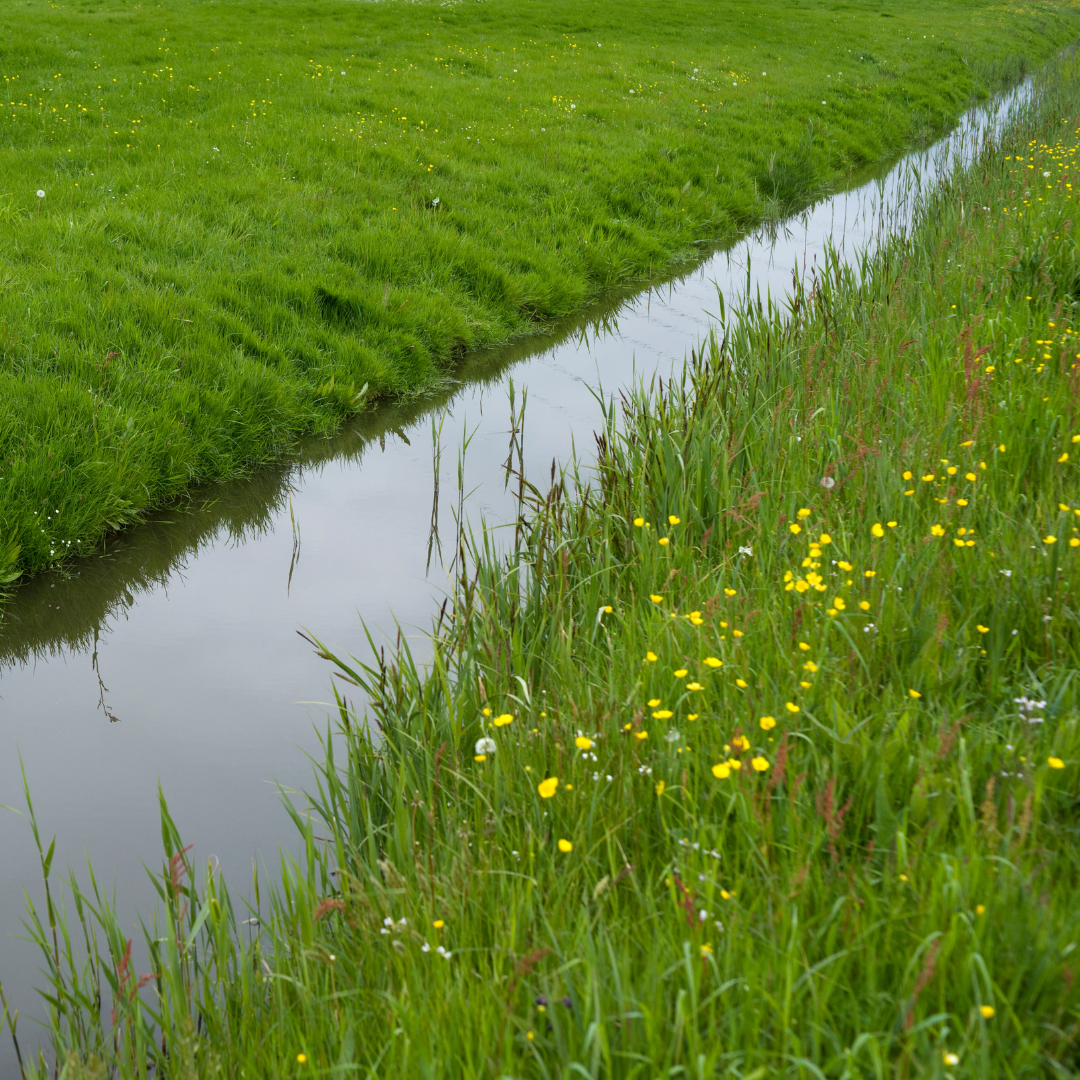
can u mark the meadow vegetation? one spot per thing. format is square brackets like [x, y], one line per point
[752, 753]
[222, 225]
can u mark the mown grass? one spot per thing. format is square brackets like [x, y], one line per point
[258, 217]
[782, 710]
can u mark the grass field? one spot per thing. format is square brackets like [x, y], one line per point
[255, 218]
[760, 760]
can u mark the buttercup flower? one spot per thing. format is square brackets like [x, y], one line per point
[760, 764]
[987, 1011]
[583, 742]
[547, 787]
[1055, 763]
[767, 723]
[721, 771]
[711, 661]
[502, 721]
[565, 846]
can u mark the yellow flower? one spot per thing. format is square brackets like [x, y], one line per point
[530, 1035]
[980, 909]
[693, 686]
[653, 702]
[711, 661]
[804, 646]
[741, 742]
[928, 477]
[1055, 763]
[736, 633]
[660, 788]
[651, 657]
[725, 894]
[987, 1011]
[740, 683]
[1064, 457]
[951, 470]
[907, 474]
[480, 757]
[735, 763]
[810, 666]
[877, 530]
[864, 604]
[891, 524]
[641, 734]
[824, 538]
[721, 771]
[608, 610]
[1049, 539]
[794, 529]
[914, 694]
[729, 592]
[486, 712]
[502, 721]
[803, 513]
[760, 764]
[982, 629]
[937, 530]
[565, 846]
[301, 1058]
[662, 714]
[791, 707]
[706, 950]
[846, 566]
[663, 541]
[639, 521]
[870, 573]
[970, 476]
[831, 611]
[438, 924]
[681, 673]
[655, 597]
[767, 723]
[692, 716]
[583, 742]
[672, 519]
[547, 787]
[839, 604]
[950, 1059]
[1074, 542]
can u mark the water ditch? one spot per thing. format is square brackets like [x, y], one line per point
[173, 657]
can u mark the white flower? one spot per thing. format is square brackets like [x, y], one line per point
[828, 483]
[388, 921]
[40, 194]
[1007, 573]
[486, 746]
[672, 736]
[748, 550]
[1046, 174]
[425, 947]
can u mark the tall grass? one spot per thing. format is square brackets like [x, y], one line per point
[793, 793]
[257, 218]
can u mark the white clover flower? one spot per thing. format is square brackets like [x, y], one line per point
[486, 746]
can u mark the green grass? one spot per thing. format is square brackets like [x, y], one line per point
[810, 832]
[238, 243]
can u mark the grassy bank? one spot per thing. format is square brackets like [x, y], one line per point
[760, 760]
[257, 217]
